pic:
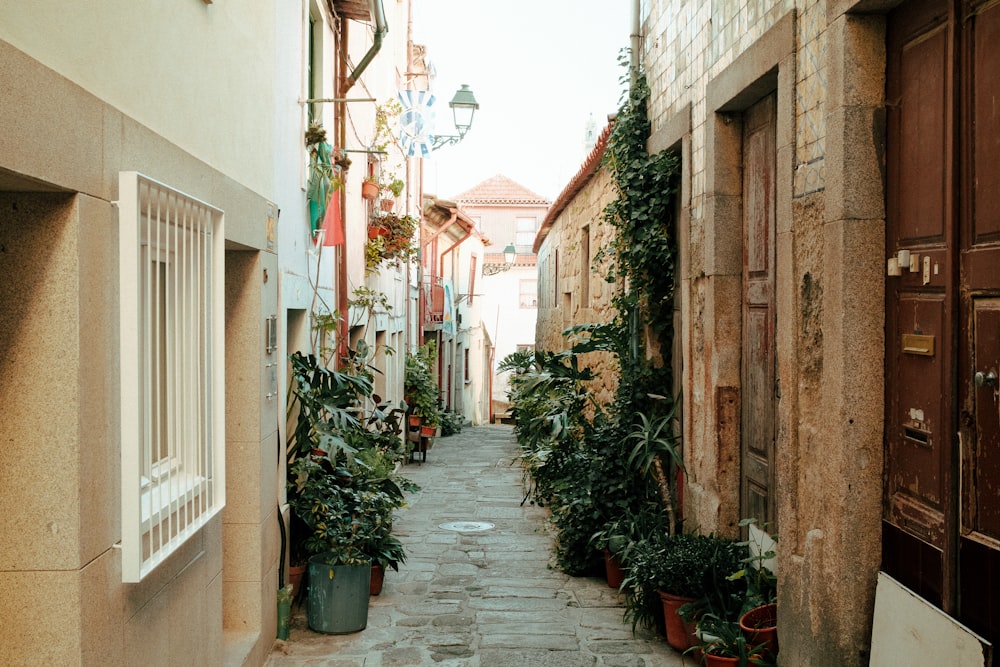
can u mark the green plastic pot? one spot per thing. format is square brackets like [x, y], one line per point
[338, 596]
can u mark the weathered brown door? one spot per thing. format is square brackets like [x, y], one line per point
[942, 484]
[979, 548]
[758, 357]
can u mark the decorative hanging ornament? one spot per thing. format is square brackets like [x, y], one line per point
[416, 122]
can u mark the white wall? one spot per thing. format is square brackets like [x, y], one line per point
[508, 324]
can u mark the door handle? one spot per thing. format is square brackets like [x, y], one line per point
[986, 379]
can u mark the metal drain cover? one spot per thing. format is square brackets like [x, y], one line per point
[467, 526]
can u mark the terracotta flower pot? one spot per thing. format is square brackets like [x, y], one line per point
[295, 574]
[428, 431]
[377, 581]
[719, 660]
[613, 570]
[415, 420]
[680, 635]
[387, 204]
[760, 626]
[369, 190]
[376, 231]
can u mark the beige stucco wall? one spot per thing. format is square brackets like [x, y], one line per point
[132, 56]
[212, 601]
[561, 291]
[709, 62]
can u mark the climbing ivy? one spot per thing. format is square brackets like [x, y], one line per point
[643, 254]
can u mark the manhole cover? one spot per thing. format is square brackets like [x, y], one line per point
[467, 526]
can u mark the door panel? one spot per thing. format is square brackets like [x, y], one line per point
[919, 221]
[943, 318]
[758, 356]
[982, 511]
[979, 584]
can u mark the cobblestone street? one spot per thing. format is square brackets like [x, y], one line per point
[479, 592]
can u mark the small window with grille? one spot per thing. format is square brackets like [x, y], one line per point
[172, 411]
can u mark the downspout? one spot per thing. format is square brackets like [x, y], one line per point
[378, 12]
[636, 37]
[468, 233]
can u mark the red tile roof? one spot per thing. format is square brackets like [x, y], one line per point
[587, 171]
[501, 190]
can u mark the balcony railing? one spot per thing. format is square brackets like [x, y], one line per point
[432, 298]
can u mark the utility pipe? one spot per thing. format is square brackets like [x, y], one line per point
[454, 245]
[636, 37]
[378, 12]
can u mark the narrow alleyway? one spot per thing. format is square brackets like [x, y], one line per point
[483, 595]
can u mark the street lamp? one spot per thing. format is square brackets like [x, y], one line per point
[509, 255]
[463, 108]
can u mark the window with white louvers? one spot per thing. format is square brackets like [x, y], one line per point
[171, 266]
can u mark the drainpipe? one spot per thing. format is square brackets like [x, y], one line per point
[454, 216]
[378, 12]
[636, 37]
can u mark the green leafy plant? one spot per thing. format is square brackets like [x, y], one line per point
[685, 565]
[422, 393]
[394, 242]
[451, 423]
[342, 482]
[396, 186]
[761, 584]
[724, 638]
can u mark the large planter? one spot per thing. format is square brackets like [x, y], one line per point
[613, 570]
[338, 596]
[760, 627]
[680, 635]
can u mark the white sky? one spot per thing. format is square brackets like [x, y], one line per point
[538, 68]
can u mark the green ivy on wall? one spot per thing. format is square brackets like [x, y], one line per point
[643, 254]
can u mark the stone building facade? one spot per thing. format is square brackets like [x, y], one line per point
[810, 135]
[571, 283]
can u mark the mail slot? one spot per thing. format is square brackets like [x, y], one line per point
[918, 344]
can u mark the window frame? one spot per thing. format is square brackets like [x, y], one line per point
[169, 496]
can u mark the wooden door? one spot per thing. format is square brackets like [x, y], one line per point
[979, 365]
[758, 357]
[942, 537]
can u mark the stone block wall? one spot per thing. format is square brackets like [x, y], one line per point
[572, 288]
[707, 62]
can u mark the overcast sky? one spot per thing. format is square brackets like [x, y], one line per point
[538, 68]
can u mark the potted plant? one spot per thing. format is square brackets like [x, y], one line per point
[376, 469]
[422, 394]
[338, 518]
[617, 537]
[723, 644]
[385, 551]
[759, 610]
[369, 188]
[396, 186]
[342, 486]
[680, 570]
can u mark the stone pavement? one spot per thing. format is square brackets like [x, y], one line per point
[482, 595]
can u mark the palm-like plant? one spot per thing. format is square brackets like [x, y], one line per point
[656, 452]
